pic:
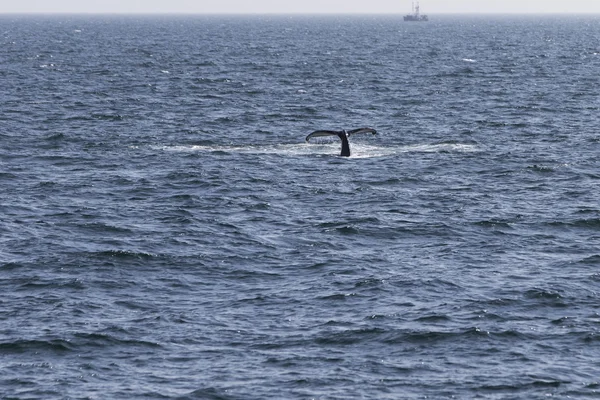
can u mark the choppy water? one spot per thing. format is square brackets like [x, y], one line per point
[165, 232]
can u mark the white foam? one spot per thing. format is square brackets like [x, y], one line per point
[443, 147]
[359, 150]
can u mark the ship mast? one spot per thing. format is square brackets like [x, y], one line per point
[416, 13]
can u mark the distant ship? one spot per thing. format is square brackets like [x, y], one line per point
[415, 16]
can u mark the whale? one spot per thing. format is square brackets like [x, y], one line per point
[343, 135]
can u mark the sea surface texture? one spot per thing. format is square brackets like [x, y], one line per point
[167, 233]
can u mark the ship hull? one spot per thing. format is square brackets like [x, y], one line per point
[419, 18]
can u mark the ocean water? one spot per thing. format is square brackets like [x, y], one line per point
[166, 232]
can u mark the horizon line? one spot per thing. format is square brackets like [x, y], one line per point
[292, 13]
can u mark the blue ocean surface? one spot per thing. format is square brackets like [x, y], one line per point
[167, 233]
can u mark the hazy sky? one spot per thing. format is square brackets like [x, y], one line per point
[298, 6]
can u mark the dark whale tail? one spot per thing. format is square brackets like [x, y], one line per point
[343, 135]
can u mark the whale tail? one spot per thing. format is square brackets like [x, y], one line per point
[362, 130]
[321, 133]
[343, 135]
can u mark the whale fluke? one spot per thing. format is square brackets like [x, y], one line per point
[343, 135]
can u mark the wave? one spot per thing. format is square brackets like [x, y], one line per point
[52, 284]
[124, 255]
[209, 393]
[36, 345]
[84, 340]
[404, 337]
[585, 223]
[593, 260]
[494, 223]
[104, 228]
